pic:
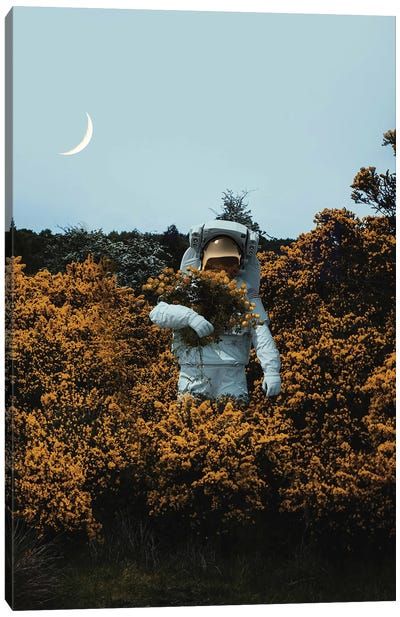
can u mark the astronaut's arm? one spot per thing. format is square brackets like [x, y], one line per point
[176, 316]
[266, 350]
[252, 273]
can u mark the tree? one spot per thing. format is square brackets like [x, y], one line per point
[9, 239]
[378, 190]
[234, 208]
[32, 247]
[175, 244]
[132, 260]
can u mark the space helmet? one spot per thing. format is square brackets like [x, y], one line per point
[222, 250]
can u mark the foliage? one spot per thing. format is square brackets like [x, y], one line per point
[211, 294]
[389, 139]
[32, 566]
[378, 190]
[95, 418]
[332, 305]
[234, 209]
[132, 260]
[195, 574]
[204, 460]
[53, 251]
[174, 243]
[77, 340]
[33, 247]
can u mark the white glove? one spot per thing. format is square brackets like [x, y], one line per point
[271, 385]
[201, 326]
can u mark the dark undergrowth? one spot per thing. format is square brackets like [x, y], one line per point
[141, 565]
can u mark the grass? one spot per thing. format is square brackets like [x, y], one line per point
[135, 567]
[33, 572]
[245, 580]
[132, 569]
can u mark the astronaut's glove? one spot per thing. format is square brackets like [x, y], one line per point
[201, 326]
[271, 385]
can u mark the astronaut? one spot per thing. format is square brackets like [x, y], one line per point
[218, 369]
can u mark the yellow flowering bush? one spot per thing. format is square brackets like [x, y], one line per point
[76, 342]
[211, 294]
[92, 396]
[331, 296]
[204, 460]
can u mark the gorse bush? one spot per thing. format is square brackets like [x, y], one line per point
[77, 342]
[96, 423]
[204, 460]
[211, 294]
[332, 300]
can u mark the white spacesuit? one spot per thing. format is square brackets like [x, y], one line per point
[218, 369]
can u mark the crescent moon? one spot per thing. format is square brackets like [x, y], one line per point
[86, 139]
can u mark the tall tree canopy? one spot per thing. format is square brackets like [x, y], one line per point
[234, 208]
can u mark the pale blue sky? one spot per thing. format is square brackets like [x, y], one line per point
[188, 104]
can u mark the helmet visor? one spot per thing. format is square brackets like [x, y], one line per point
[221, 250]
[217, 263]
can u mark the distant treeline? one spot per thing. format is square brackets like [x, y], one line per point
[132, 255]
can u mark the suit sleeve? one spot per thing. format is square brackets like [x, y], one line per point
[262, 339]
[174, 316]
[252, 273]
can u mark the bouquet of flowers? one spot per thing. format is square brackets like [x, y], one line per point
[211, 294]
